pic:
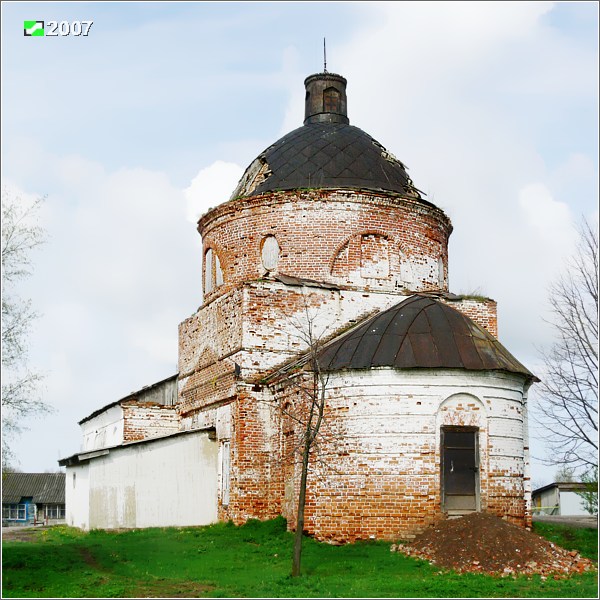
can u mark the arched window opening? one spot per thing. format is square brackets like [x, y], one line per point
[441, 271]
[374, 256]
[208, 272]
[341, 262]
[218, 272]
[331, 100]
[270, 253]
[213, 272]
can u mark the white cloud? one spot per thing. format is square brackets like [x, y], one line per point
[550, 220]
[156, 337]
[76, 173]
[211, 186]
[442, 86]
[577, 166]
[292, 78]
[120, 270]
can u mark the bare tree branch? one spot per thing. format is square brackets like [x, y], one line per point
[21, 396]
[568, 408]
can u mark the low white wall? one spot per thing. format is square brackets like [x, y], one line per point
[166, 482]
[571, 504]
[77, 496]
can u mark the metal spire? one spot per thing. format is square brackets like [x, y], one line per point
[324, 57]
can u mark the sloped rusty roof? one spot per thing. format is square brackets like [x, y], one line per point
[325, 155]
[44, 488]
[420, 333]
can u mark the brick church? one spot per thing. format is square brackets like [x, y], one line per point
[425, 411]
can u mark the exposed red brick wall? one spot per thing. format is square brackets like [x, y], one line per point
[207, 386]
[313, 227]
[213, 332]
[483, 312]
[145, 420]
[354, 493]
[256, 481]
[351, 495]
[369, 245]
[209, 342]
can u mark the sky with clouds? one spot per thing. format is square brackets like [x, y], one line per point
[136, 129]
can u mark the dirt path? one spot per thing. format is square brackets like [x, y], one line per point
[22, 534]
[570, 521]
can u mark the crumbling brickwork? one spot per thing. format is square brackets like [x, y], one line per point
[377, 471]
[335, 258]
[330, 236]
[484, 311]
[290, 264]
[255, 461]
[142, 421]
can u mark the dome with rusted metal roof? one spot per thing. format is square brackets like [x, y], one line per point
[420, 332]
[326, 152]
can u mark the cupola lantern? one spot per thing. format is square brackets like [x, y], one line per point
[325, 99]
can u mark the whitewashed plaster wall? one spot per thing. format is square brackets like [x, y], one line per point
[282, 324]
[555, 501]
[164, 482]
[103, 430]
[571, 504]
[549, 501]
[386, 414]
[77, 496]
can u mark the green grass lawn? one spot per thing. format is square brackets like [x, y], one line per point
[253, 561]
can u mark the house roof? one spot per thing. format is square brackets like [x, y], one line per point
[44, 488]
[419, 332]
[565, 486]
[130, 396]
[87, 455]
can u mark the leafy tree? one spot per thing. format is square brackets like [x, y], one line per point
[21, 396]
[590, 494]
[568, 407]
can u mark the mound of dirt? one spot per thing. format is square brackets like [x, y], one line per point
[484, 543]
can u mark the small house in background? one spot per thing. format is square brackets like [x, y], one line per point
[559, 499]
[32, 498]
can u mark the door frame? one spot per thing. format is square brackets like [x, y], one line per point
[463, 429]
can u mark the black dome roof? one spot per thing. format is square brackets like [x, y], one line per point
[325, 155]
[420, 333]
[326, 152]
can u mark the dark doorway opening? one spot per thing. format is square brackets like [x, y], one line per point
[460, 469]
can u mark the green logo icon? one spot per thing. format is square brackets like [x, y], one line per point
[33, 28]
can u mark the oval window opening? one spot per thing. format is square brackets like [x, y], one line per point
[270, 253]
